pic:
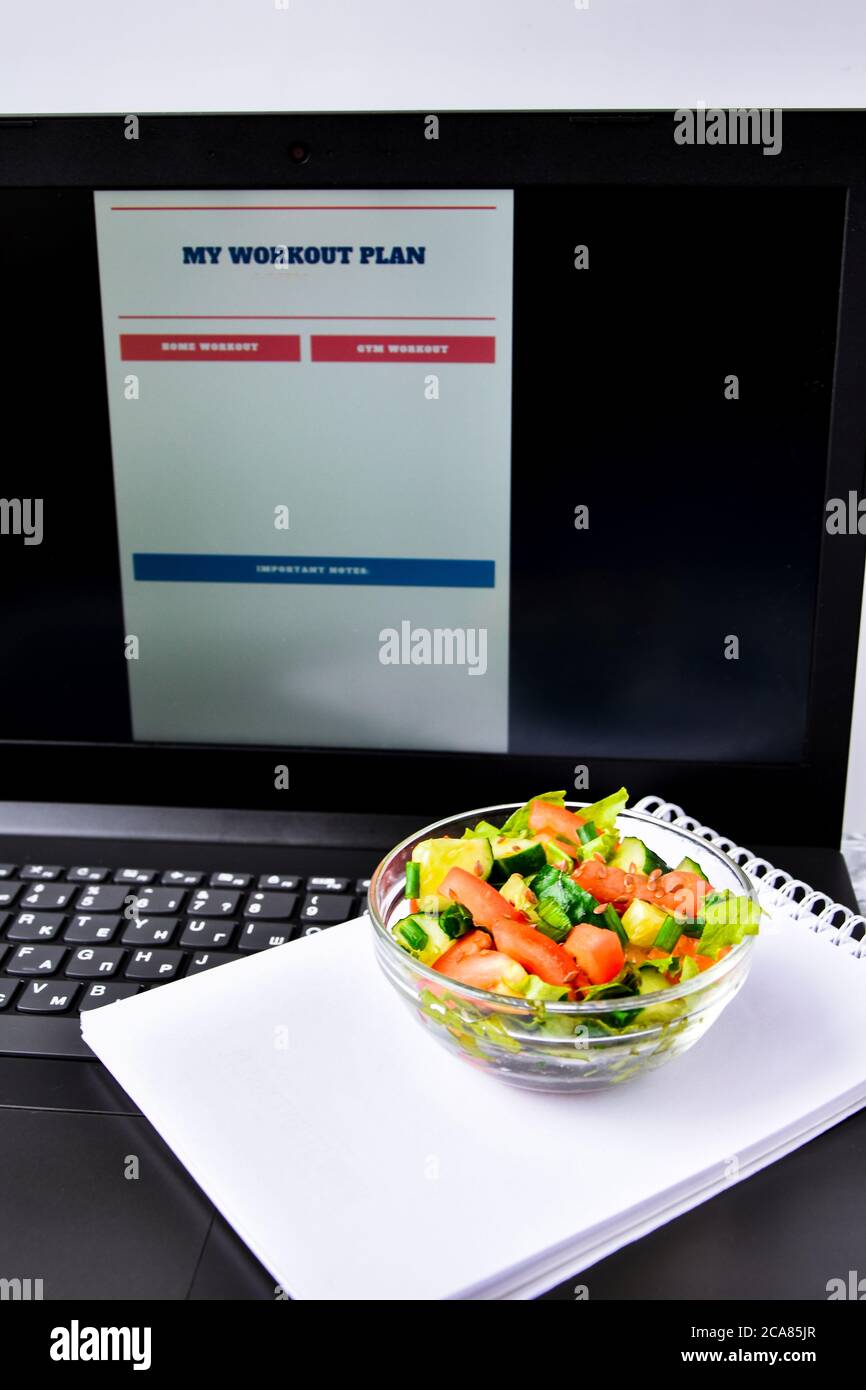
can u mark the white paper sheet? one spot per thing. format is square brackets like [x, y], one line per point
[357, 1158]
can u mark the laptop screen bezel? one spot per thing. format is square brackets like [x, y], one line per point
[790, 803]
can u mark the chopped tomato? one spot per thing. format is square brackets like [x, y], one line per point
[467, 945]
[534, 951]
[486, 970]
[688, 946]
[608, 884]
[679, 892]
[556, 820]
[484, 903]
[597, 950]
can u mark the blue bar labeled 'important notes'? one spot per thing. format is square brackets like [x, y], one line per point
[313, 569]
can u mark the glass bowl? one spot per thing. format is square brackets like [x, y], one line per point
[566, 1047]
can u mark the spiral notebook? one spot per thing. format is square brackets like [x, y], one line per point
[358, 1159]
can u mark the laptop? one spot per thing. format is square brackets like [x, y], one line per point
[360, 469]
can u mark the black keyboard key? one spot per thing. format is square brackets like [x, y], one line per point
[47, 896]
[3, 949]
[7, 870]
[271, 907]
[203, 932]
[259, 936]
[225, 880]
[148, 964]
[83, 874]
[102, 897]
[94, 962]
[9, 888]
[43, 871]
[286, 883]
[206, 960]
[35, 960]
[159, 902]
[7, 989]
[312, 929]
[109, 993]
[326, 908]
[150, 931]
[87, 930]
[35, 926]
[134, 876]
[3, 919]
[327, 885]
[47, 997]
[362, 886]
[213, 902]
[181, 878]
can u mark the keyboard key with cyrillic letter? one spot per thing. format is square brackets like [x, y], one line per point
[35, 960]
[153, 965]
[46, 997]
[92, 962]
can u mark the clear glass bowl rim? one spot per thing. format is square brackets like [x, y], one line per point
[515, 1004]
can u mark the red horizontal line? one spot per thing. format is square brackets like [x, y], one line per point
[375, 318]
[309, 207]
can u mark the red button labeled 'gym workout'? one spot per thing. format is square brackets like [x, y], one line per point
[348, 347]
[210, 347]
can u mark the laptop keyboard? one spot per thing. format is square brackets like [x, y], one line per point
[79, 937]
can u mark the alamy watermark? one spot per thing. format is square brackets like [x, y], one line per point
[22, 516]
[711, 125]
[20, 1290]
[437, 646]
[846, 517]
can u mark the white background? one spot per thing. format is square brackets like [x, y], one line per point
[236, 55]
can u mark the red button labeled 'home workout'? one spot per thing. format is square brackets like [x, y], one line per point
[348, 347]
[210, 347]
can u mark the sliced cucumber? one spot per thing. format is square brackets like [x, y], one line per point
[689, 866]
[422, 935]
[517, 856]
[643, 922]
[517, 891]
[436, 857]
[634, 854]
[600, 844]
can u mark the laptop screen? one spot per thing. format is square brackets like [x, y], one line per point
[477, 471]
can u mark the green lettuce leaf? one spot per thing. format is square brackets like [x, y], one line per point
[603, 813]
[727, 919]
[484, 830]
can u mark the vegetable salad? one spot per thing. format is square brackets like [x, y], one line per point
[557, 905]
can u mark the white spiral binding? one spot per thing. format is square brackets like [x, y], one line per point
[776, 888]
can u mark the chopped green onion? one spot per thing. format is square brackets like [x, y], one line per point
[692, 926]
[669, 934]
[555, 921]
[413, 879]
[611, 918]
[587, 832]
[412, 933]
[455, 920]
